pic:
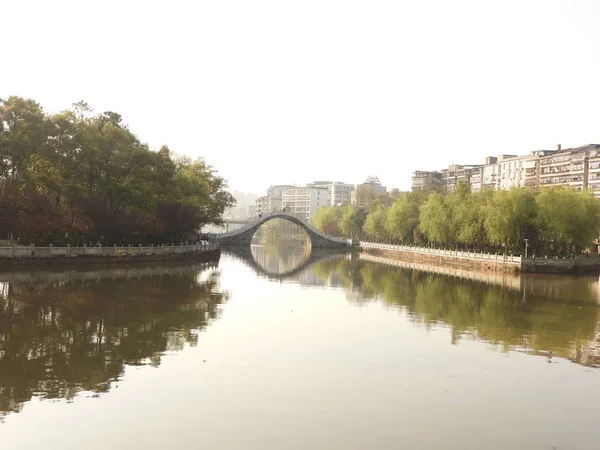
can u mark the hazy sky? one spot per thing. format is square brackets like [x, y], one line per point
[292, 91]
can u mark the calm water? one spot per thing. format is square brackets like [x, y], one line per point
[275, 348]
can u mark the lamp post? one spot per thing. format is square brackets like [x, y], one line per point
[526, 245]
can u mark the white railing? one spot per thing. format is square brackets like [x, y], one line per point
[510, 259]
[51, 251]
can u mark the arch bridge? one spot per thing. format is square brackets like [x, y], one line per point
[314, 237]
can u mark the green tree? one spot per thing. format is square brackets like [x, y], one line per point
[402, 219]
[509, 217]
[82, 176]
[567, 219]
[374, 226]
[435, 220]
[352, 222]
[328, 219]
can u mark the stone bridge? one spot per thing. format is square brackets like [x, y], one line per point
[314, 237]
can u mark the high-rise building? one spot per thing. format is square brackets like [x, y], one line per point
[305, 201]
[272, 201]
[339, 193]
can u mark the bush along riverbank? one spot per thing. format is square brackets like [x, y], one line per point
[18, 257]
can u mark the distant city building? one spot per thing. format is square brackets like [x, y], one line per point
[423, 180]
[366, 192]
[339, 193]
[577, 167]
[305, 201]
[272, 201]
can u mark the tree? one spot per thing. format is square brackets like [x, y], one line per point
[510, 217]
[402, 219]
[328, 219]
[435, 219]
[567, 219]
[374, 226]
[87, 176]
[353, 221]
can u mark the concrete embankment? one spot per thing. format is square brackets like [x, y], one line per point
[484, 262]
[107, 256]
[579, 264]
[447, 258]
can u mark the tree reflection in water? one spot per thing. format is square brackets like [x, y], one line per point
[547, 315]
[61, 337]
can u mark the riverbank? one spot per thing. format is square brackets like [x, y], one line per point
[483, 262]
[445, 261]
[37, 257]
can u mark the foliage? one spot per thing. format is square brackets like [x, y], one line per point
[556, 221]
[509, 217]
[328, 219]
[353, 222]
[374, 226]
[402, 219]
[435, 219]
[78, 177]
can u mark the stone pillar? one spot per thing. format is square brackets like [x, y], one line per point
[68, 249]
[32, 246]
[51, 250]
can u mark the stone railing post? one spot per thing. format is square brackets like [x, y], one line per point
[100, 249]
[115, 249]
[51, 249]
[68, 249]
[129, 249]
[32, 248]
[84, 247]
[140, 249]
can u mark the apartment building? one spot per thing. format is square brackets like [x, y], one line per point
[305, 200]
[273, 200]
[339, 193]
[425, 181]
[455, 174]
[577, 167]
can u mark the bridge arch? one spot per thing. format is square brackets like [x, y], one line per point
[315, 238]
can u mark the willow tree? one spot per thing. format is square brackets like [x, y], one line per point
[567, 220]
[509, 218]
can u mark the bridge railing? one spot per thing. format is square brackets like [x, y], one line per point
[443, 252]
[46, 252]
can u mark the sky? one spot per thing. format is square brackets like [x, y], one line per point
[280, 92]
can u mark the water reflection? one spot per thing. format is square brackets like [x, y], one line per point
[280, 259]
[66, 332]
[545, 315]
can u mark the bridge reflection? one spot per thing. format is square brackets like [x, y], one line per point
[281, 262]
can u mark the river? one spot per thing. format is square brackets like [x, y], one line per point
[283, 349]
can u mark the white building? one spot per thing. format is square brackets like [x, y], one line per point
[305, 201]
[339, 193]
[272, 201]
